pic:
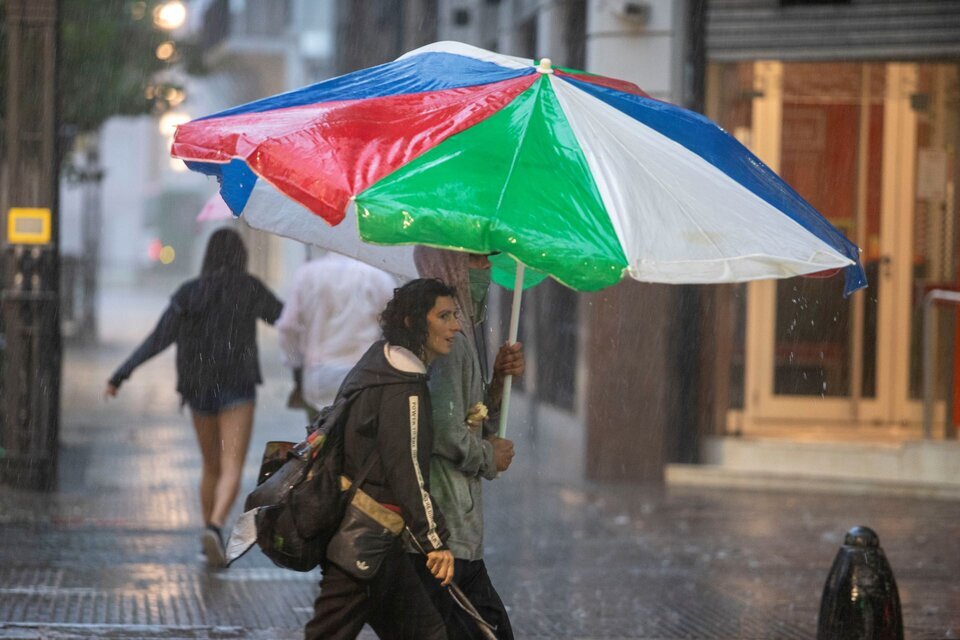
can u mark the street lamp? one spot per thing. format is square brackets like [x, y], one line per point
[168, 126]
[170, 121]
[170, 15]
[166, 50]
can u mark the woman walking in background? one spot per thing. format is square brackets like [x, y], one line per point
[212, 319]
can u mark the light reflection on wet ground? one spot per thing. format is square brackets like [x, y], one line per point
[114, 553]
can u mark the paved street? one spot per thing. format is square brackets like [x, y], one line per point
[114, 552]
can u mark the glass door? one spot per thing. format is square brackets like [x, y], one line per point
[836, 133]
[812, 355]
[873, 147]
[933, 251]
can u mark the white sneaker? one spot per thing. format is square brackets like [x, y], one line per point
[213, 548]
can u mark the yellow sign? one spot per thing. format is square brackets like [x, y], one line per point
[28, 226]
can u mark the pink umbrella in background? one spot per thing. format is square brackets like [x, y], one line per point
[215, 210]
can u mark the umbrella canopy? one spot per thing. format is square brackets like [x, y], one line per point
[581, 177]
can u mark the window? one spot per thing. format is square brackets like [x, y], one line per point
[461, 17]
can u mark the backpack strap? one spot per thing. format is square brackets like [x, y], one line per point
[374, 456]
[341, 404]
[372, 459]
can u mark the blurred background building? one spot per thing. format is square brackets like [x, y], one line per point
[854, 102]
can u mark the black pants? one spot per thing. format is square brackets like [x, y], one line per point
[472, 578]
[394, 602]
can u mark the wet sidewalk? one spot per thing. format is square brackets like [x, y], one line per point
[114, 552]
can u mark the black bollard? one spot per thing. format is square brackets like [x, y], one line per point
[860, 599]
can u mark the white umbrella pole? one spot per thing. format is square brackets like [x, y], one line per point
[514, 327]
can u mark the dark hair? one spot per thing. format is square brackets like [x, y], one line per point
[225, 252]
[413, 300]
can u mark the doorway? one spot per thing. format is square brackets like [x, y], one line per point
[872, 146]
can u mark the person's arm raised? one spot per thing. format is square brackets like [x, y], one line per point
[162, 336]
[509, 362]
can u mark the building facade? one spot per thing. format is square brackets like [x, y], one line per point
[856, 104]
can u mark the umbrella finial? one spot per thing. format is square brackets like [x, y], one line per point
[544, 66]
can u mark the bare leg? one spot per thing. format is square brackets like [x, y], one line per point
[235, 424]
[208, 437]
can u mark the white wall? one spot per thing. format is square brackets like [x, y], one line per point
[650, 55]
[125, 145]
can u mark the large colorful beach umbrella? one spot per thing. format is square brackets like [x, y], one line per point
[577, 176]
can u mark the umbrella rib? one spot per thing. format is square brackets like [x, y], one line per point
[515, 159]
[772, 256]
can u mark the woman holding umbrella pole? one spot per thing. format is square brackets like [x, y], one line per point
[212, 319]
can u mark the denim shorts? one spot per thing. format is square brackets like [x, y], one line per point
[210, 402]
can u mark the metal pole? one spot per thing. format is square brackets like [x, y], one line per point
[514, 328]
[29, 304]
[13, 20]
[929, 352]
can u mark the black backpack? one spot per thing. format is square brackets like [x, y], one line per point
[298, 500]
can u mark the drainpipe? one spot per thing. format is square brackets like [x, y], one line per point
[690, 298]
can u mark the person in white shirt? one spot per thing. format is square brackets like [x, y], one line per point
[328, 322]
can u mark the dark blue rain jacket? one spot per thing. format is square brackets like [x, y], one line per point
[213, 321]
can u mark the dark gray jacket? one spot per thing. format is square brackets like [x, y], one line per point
[392, 414]
[213, 321]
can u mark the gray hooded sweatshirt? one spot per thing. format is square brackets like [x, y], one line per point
[461, 456]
